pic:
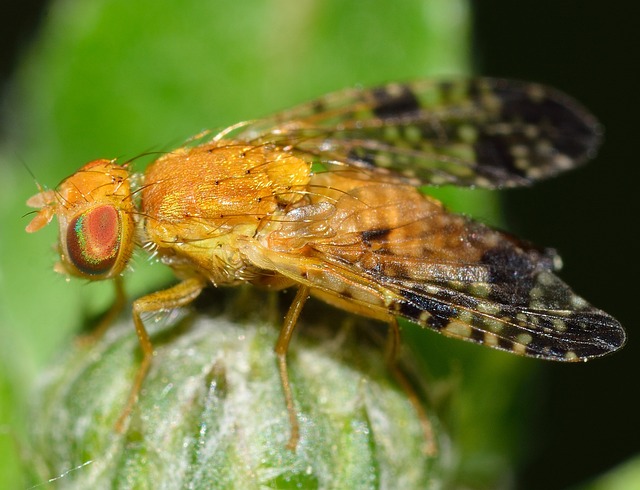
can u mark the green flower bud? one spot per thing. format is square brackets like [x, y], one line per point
[212, 414]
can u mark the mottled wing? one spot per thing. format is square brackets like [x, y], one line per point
[478, 132]
[384, 248]
[521, 306]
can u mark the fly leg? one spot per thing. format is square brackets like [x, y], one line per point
[392, 345]
[391, 357]
[179, 295]
[281, 349]
[107, 320]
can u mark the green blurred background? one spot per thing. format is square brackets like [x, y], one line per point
[89, 79]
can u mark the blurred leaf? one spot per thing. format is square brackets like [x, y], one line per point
[117, 78]
[624, 477]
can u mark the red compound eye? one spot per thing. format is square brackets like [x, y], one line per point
[93, 240]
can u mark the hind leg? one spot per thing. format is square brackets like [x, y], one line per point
[282, 346]
[391, 357]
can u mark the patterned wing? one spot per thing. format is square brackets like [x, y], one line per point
[382, 248]
[479, 132]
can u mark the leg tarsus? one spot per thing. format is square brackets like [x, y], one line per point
[282, 346]
[141, 374]
[391, 358]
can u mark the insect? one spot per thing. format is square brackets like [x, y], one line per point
[324, 197]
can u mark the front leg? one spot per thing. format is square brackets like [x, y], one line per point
[109, 317]
[179, 295]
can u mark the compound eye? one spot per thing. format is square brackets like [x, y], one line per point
[93, 240]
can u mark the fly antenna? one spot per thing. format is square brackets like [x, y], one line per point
[40, 187]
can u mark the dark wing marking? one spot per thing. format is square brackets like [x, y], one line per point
[529, 312]
[478, 132]
[461, 278]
